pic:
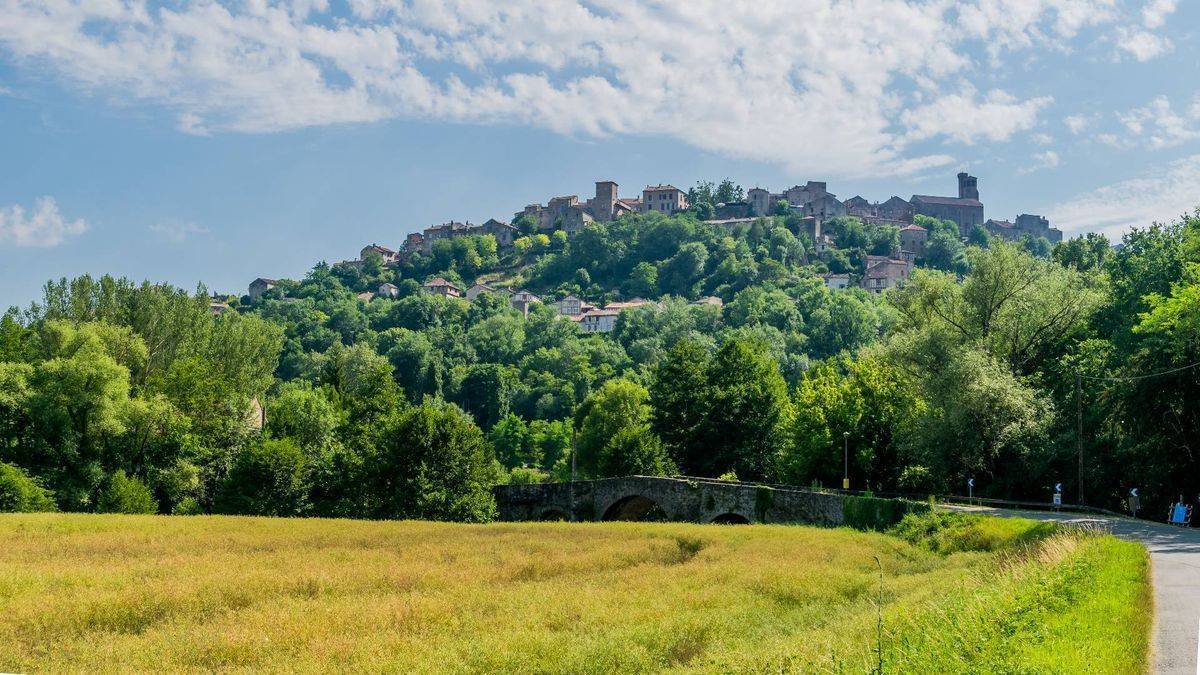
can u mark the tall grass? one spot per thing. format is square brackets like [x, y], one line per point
[87, 593]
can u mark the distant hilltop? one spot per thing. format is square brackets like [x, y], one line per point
[811, 200]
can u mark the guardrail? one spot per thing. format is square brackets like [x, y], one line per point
[943, 499]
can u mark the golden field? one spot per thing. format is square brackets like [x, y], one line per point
[163, 593]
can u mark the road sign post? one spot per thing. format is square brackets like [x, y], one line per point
[1057, 495]
[970, 488]
[1135, 502]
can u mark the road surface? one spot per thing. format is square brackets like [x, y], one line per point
[1175, 570]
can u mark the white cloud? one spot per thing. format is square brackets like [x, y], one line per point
[177, 232]
[43, 227]
[1079, 123]
[967, 119]
[1155, 13]
[1113, 209]
[1142, 45]
[1157, 125]
[818, 85]
[1042, 160]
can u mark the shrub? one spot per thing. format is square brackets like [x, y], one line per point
[20, 492]
[523, 475]
[948, 532]
[126, 494]
[871, 513]
[267, 479]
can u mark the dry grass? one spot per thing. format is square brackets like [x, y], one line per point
[88, 593]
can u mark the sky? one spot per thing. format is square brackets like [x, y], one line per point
[217, 142]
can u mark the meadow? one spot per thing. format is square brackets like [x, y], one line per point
[180, 593]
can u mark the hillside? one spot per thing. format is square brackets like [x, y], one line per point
[89, 593]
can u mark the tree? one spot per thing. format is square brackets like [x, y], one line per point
[1016, 307]
[268, 478]
[979, 236]
[642, 281]
[125, 494]
[304, 414]
[486, 393]
[679, 400]
[747, 414]
[430, 462]
[679, 274]
[944, 251]
[1084, 253]
[613, 434]
[416, 364]
[510, 439]
[21, 493]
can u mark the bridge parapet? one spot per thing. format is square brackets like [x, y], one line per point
[667, 498]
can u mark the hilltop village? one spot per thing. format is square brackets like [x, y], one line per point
[810, 206]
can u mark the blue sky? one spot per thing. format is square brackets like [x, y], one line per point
[218, 142]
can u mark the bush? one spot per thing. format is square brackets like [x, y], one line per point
[190, 506]
[948, 532]
[872, 513]
[126, 494]
[523, 475]
[20, 492]
[268, 478]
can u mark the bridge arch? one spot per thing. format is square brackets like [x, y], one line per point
[730, 519]
[636, 508]
[553, 514]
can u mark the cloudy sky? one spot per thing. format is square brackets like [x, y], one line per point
[220, 141]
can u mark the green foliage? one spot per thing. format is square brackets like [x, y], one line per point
[19, 492]
[267, 478]
[872, 513]
[613, 434]
[431, 462]
[125, 494]
[947, 532]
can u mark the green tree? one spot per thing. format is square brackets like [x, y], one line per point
[614, 436]
[747, 414]
[21, 493]
[430, 462]
[125, 494]
[268, 478]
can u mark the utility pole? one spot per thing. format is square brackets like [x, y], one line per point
[846, 460]
[571, 516]
[1079, 429]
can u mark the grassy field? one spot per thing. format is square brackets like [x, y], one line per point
[87, 593]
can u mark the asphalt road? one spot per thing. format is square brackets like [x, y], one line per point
[1175, 565]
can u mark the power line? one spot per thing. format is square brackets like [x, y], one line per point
[1132, 378]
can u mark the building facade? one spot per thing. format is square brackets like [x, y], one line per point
[965, 210]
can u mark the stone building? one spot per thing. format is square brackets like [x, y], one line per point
[387, 254]
[1027, 225]
[810, 199]
[448, 230]
[666, 199]
[965, 210]
[261, 285]
[896, 209]
[883, 273]
[835, 282]
[504, 233]
[570, 214]
[522, 300]
[388, 291]
[913, 238]
[439, 286]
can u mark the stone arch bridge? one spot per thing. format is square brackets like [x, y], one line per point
[697, 500]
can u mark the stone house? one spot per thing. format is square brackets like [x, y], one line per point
[261, 285]
[884, 273]
[834, 281]
[896, 208]
[666, 199]
[388, 290]
[521, 300]
[448, 230]
[598, 321]
[571, 306]
[504, 233]
[439, 286]
[387, 254]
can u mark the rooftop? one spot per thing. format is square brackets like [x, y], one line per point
[947, 201]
